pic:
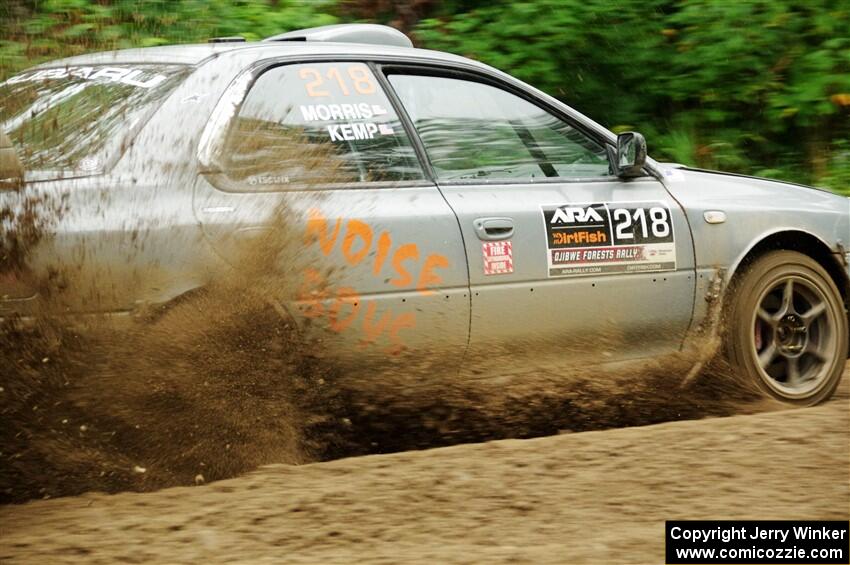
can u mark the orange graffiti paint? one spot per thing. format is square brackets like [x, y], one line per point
[385, 241]
[345, 297]
[402, 254]
[372, 330]
[354, 230]
[317, 230]
[427, 277]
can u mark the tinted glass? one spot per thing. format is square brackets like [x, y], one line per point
[315, 124]
[77, 118]
[473, 130]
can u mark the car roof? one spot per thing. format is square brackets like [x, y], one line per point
[196, 54]
[366, 41]
[180, 54]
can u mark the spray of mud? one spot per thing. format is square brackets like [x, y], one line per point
[391, 414]
[213, 387]
[207, 388]
[221, 381]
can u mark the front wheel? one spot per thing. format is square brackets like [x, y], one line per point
[786, 328]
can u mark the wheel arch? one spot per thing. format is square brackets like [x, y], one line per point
[802, 242]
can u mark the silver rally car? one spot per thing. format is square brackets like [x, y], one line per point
[441, 205]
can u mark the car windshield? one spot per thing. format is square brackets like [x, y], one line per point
[74, 120]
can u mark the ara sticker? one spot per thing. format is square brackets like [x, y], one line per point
[602, 238]
[498, 257]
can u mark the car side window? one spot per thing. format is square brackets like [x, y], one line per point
[473, 130]
[316, 124]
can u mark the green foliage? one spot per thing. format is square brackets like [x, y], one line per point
[756, 86]
[837, 175]
[56, 28]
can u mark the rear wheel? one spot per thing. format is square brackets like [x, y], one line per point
[786, 328]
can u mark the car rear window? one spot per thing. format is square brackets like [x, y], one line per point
[316, 124]
[76, 120]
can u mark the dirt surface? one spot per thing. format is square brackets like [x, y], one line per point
[594, 497]
[218, 388]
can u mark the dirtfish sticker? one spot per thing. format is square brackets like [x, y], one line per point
[608, 238]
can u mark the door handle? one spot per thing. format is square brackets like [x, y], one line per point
[494, 229]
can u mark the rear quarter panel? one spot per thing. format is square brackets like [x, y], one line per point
[118, 241]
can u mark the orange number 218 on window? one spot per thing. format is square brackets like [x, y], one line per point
[358, 77]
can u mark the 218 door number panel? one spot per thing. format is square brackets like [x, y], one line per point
[600, 238]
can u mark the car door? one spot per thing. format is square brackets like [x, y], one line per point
[567, 262]
[372, 260]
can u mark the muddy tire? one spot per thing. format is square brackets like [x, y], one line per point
[786, 328]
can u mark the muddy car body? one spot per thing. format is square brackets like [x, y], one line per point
[464, 215]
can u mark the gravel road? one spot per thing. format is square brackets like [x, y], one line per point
[594, 497]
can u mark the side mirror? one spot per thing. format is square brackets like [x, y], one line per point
[631, 154]
[11, 169]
